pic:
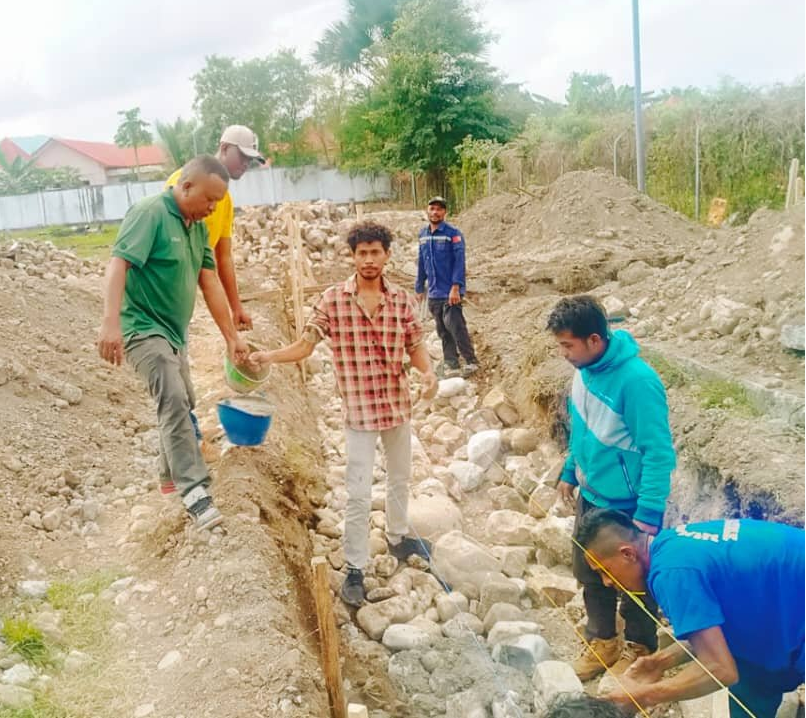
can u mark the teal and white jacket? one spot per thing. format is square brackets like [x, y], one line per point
[621, 451]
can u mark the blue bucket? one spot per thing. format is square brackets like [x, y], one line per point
[246, 421]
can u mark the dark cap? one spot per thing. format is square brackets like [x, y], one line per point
[438, 200]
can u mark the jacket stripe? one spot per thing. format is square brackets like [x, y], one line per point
[605, 424]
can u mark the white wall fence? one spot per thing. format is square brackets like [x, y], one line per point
[273, 185]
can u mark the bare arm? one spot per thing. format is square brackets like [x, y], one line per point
[225, 267]
[299, 350]
[110, 338]
[422, 362]
[216, 301]
[692, 682]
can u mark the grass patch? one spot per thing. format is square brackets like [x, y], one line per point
[671, 374]
[43, 707]
[85, 616]
[723, 394]
[24, 638]
[93, 244]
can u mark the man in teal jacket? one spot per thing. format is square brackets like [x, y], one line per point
[621, 457]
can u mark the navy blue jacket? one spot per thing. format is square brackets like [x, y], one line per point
[441, 261]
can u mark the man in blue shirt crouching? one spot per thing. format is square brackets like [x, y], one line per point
[733, 589]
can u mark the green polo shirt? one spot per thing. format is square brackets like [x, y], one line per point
[166, 257]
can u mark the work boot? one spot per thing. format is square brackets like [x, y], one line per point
[352, 590]
[200, 506]
[630, 654]
[588, 666]
[410, 546]
[470, 369]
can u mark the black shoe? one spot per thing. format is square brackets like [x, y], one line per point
[411, 547]
[352, 590]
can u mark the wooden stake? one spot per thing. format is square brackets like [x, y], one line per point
[791, 186]
[359, 212]
[328, 638]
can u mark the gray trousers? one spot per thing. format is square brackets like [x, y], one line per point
[166, 373]
[360, 460]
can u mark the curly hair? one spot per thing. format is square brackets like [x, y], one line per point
[581, 315]
[579, 705]
[369, 232]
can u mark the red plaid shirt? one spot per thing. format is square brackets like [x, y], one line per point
[368, 352]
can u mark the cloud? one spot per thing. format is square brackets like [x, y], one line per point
[69, 65]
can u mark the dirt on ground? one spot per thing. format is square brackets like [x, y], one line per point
[140, 615]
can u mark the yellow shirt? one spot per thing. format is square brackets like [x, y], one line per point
[219, 222]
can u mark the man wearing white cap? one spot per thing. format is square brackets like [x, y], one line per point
[238, 148]
[236, 151]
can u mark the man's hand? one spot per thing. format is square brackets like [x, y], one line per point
[238, 350]
[566, 492]
[259, 359]
[621, 695]
[241, 319]
[430, 385]
[110, 341]
[454, 297]
[645, 670]
[646, 528]
[420, 296]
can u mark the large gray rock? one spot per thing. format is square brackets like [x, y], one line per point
[524, 440]
[405, 637]
[505, 497]
[375, 618]
[726, 315]
[503, 407]
[15, 697]
[501, 590]
[523, 652]
[547, 588]
[459, 559]
[469, 475]
[451, 604]
[506, 631]
[433, 516]
[553, 536]
[499, 612]
[451, 387]
[510, 528]
[462, 624]
[483, 447]
[551, 679]
[33, 589]
[792, 337]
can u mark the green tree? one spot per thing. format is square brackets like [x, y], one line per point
[132, 132]
[292, 85]
[177, 139]
[230, 92]
[21, 177]
[344, 44]
[426, 95]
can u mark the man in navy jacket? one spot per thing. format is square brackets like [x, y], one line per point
[441, 263]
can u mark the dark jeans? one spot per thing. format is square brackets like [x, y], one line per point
[600, 601]
[452, 330]
[761, 690]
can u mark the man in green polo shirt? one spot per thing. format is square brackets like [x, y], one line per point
[160, 256]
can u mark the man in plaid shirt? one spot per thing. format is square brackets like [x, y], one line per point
[372, 325]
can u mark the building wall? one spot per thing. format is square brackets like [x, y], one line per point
[110, 202]
[57, 155]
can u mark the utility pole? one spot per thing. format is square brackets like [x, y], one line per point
[697, 172]
[639, 119]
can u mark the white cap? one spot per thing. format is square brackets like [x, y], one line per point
[244, 139]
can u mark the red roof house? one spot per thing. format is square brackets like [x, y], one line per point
[101, 162]
[11, 150]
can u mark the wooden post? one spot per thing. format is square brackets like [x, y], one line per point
[328, 638]
[296, 284]
[791, 186]
[359, 212]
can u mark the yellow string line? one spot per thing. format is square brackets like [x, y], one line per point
[641, 605]
[607, 668]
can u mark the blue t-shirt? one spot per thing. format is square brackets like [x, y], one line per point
[743, 575]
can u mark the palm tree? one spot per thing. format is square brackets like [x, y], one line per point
[177, 138]
[343, 42]
[132, 133]
[18, 176]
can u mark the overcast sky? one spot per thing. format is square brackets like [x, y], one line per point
[69, 65]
